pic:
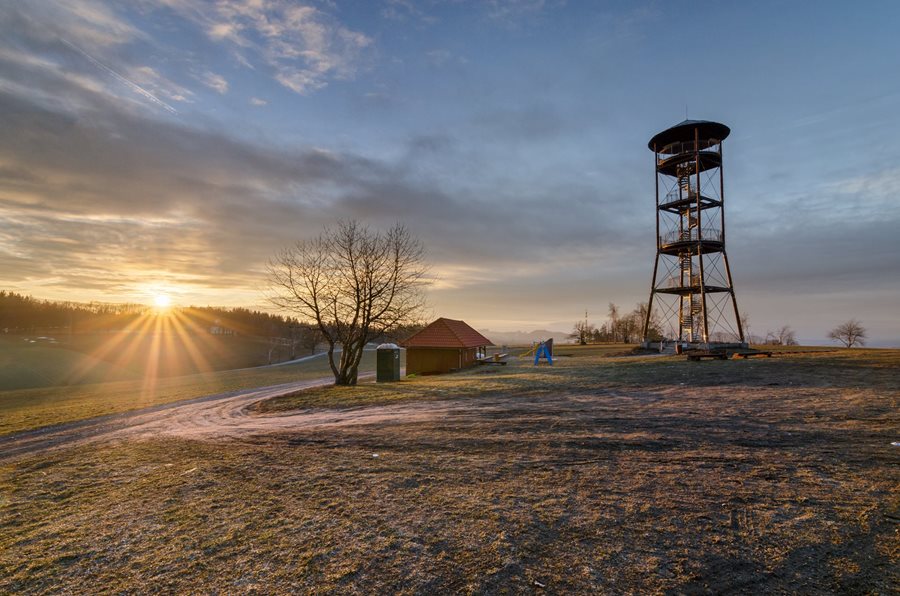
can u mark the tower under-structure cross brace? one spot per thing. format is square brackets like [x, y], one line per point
[692, 297]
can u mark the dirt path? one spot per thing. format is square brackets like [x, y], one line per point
[233, 418]
[220, 415]
[230, 415]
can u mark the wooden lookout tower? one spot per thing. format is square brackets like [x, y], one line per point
[691, 296]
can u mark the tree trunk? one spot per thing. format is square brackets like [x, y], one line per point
[334, 369]
[347, 371]
[352, 376]
[357, 358]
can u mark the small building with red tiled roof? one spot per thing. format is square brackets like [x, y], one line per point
[443, 346]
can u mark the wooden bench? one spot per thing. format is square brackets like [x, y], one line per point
[752, 354]
[724, 355]
[495, 359]
[697, 356]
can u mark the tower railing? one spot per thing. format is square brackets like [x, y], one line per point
[689, 235]
[677, 282]
[674, 195]
[688, 147]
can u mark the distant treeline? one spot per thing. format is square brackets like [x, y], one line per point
[20, 313]
[25, 314]
[624, 328]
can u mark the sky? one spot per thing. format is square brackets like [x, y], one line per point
[174, 146]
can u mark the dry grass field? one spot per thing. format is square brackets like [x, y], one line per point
[601, 474]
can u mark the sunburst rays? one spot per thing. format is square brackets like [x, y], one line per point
[160, 342]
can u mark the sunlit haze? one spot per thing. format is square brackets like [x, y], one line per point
[180, 143]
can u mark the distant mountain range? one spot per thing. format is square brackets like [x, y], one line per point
[523, 338]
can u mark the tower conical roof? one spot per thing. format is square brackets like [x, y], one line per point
[684, 131]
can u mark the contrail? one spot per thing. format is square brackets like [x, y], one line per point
[134, 86]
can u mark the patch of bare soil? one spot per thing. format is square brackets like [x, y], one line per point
[675, 490]
[212, 415]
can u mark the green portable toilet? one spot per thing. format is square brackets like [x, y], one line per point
[387, 366]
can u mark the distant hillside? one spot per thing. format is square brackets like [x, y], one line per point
[31, 363]
[520, 338]
[27, 361]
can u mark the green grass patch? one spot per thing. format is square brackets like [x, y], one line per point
[89, 358]
[37, 363]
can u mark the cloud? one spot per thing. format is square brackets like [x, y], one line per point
[91, 23]
[130, 200]
[879, 189]
[439, 57]
[149, 78]
[48, 47]
[534, 122]
[256, 101]
[506, 13]
[215, 82]
[511, 12]
[407, 10]
[305, 47]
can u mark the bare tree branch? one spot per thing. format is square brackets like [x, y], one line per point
[354, 285]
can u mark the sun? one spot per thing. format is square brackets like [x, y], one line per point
[162, 301]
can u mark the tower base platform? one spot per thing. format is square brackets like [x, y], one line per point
[676, 347]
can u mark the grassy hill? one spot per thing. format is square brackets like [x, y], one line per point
[26, 409]
[24, 364]
[29, 362]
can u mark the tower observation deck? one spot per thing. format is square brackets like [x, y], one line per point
[692, 296]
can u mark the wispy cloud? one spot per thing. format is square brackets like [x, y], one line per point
[513, 12]
[146, 73]
[305, 47]
[214, 81]
[84, 43]
[867, 196]
[407, 10]
[439, 57]
[92, 23]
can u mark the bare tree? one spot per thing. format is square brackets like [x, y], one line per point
[654, 328]
[786, 336]
[783, 336]
[305, 336]
[302, 335]
[850, 333]
[745, 325]
[614, 321]
[274, 342]
[583, 332]
[353, 284]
